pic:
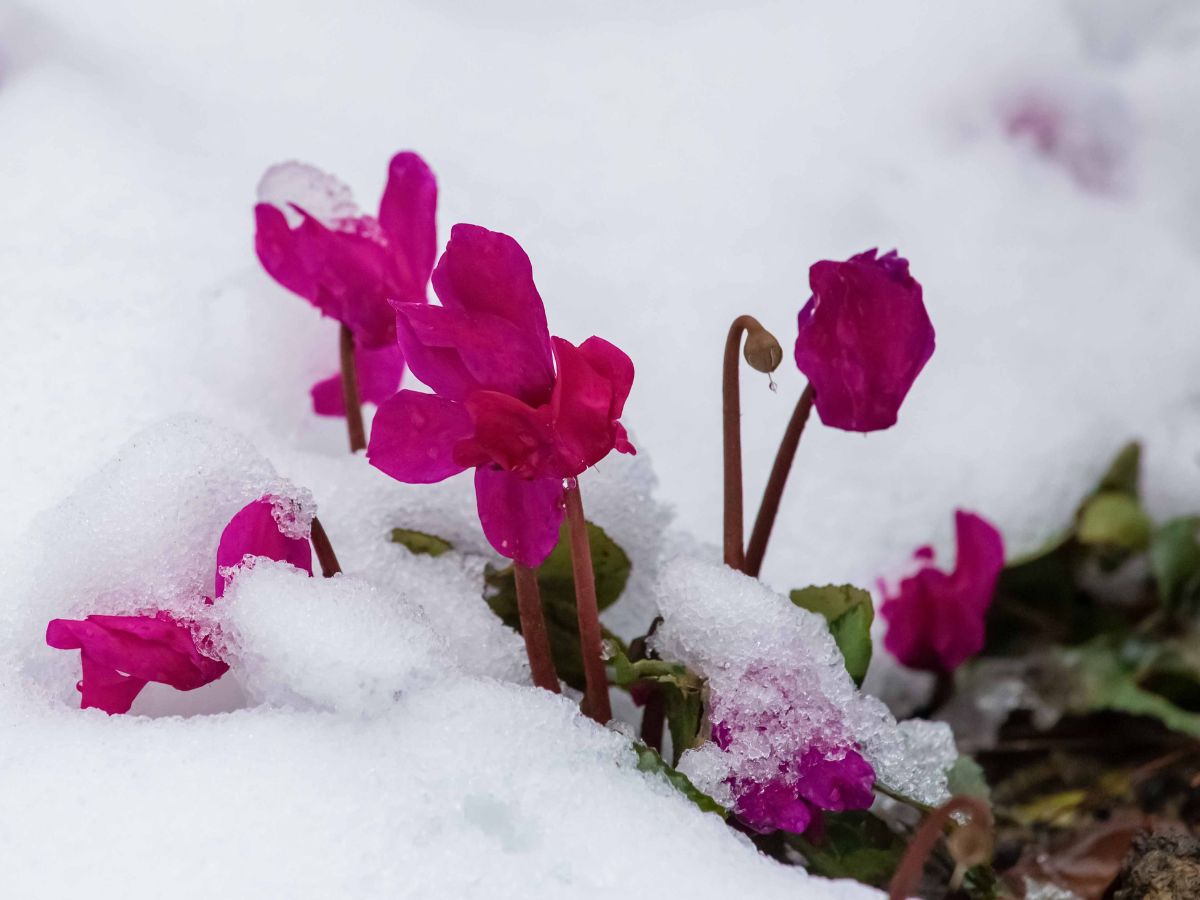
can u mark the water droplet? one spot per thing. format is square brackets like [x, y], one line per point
[772, 385]
[569, 484]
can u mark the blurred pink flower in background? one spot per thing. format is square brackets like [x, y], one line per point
[935, 620]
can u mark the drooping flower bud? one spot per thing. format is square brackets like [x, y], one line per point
[864, 336]
[762, 350]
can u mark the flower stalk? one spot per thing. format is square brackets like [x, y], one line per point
[595, 701]
[764, 522]
[354, 417]
[653, 718]
[763, 353]
[324, 550]
[970, 844]
[533, 628]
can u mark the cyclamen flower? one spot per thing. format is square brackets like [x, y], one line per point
[786, 758]
[523, 409]
[936, 620]
[312, 239]
[864, 336]
[120, 655]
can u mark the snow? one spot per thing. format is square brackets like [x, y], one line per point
[667, 167]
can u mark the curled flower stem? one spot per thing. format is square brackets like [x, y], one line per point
[908, 873]
[763, 353]
[350, 398]
[533, 628]
[324, 550]
[773, 493]
[595, 700]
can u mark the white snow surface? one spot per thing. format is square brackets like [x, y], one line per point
[667, 167]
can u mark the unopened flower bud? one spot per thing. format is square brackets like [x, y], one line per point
[969, 845]
[762, 351]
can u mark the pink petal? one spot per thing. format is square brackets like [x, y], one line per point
[120, 654]
[980, 557]
[105, 688]
[614, 365]
[512, 435]
[582, 406]
[836, 784]
[379, 374]
[520, 518]
[407, 214]
[345, 273]
[253, 531]
[486, 272]
[457, 352]
[414, 435]
[936, 621]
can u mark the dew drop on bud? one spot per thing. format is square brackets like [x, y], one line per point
[569, 484]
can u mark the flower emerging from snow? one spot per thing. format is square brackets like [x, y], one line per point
[864, 337]
[936, 620]
[523, 409]
[312, 239]
[787, 763]
[120, 655]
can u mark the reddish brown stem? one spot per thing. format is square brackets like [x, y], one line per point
[324, 550]
[533, 629]
[773, 493]
[595, 701]
[731, 418]
[653, 714]
[350, 398]
[908, 873]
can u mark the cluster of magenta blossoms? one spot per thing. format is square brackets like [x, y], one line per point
[120, 655]
[527, 411]
[935, 618]
[313, 240]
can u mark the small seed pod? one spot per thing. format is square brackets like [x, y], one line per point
[969, 845]
[762, 351]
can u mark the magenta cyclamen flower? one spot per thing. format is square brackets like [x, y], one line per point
[523, 409]
[936, 620]
[864, 337]
[120, 655]
[785, 768]
[314, 241]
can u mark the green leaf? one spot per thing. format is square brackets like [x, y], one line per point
[1175, 564]
[419, 542]
[966, 777]
[683, 692]
[855, 845]
[649, 761]
[1123, 472]
[1115, 520]
[1113, 676]
[556, 582]
[849, 612]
